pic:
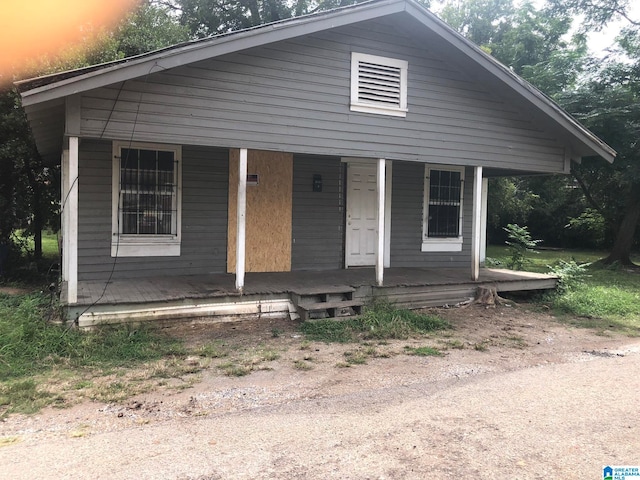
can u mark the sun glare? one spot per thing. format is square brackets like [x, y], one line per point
[31, 28]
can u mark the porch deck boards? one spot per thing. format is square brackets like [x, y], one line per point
[193, 287]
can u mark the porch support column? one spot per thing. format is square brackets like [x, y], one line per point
[381, 187]
[483, 227]
[476, 225]
[241, 219]
[70, 256]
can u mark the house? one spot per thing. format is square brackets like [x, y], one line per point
[209, 177]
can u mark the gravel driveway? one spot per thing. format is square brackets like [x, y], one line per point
[560, 408]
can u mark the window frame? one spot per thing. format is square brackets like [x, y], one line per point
[441, 244]
[145, 245]
[378, 108]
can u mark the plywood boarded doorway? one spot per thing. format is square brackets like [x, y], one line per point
[268, 218]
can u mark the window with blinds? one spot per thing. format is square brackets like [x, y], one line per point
[378, 84]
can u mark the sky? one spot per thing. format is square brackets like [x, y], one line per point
[598, 42]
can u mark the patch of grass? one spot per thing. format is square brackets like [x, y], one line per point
[82, 384]
[211, 350]
[269, 355]
[233, 369]
[23, 396]
[604, 299]
[380, 320]
[423, 351]
[302, 365]
[481, 346]
[537, 262]
[455, 344]
[249, 361]
[608, 299]
[330, 331]
[516, 342]
[30, 345]
[356, 357]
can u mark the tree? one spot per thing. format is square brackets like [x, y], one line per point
[29, 189]
[534, 43]
[608, 103]
[610, 107]
[212, 17]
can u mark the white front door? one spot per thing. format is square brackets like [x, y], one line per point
[361, 215]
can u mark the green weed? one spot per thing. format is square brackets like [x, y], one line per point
[302, 365]
[29, 344]
[24, 396]
[591, 297]
[423, 351]
[380, 320]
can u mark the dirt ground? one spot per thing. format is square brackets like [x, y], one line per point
[517, 394]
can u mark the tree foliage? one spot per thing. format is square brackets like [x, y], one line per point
[212, 17]
[29, 189]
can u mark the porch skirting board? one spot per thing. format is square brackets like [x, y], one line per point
[205, 312]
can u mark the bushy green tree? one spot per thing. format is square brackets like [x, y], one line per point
[29, 189]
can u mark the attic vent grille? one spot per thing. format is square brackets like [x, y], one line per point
[378, 85]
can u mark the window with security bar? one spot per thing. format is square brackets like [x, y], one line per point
[445, 189]
[146, 200]
[147, 192]
[443, 208]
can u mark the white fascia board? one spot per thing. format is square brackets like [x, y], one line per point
[202, 50]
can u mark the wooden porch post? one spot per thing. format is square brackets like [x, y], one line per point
[381, 187]
[241, 219]
[70, 257]
[476, 225]
[483, 227]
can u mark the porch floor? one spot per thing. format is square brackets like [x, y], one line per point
[218, 286]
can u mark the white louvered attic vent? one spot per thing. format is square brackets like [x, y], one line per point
[378, 85]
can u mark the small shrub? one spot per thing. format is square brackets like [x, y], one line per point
[570, 275]
[519, 243]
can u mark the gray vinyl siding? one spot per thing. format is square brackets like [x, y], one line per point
[293, 96]
[406, 221]
[317, 217]
[204, 217]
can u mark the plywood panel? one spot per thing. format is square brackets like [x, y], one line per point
[269, 206]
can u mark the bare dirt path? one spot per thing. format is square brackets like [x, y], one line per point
[517, 395]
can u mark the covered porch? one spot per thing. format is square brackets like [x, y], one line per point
[294, 295]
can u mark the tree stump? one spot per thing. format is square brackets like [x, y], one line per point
[487, 297]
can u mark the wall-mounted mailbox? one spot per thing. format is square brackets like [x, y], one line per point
[317, 183]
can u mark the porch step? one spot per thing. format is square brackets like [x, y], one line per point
[330, 302]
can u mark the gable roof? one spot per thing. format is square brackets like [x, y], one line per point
[44, 94]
